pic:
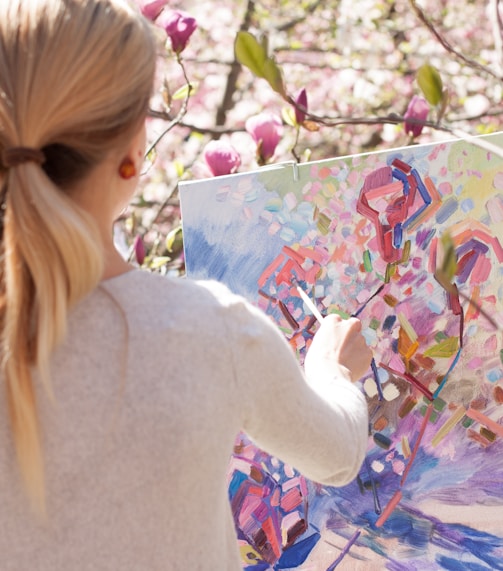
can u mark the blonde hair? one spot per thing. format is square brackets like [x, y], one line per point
[75, 81]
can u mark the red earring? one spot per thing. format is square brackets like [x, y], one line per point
[127, 169]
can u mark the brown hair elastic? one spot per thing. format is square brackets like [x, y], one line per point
[19, 155]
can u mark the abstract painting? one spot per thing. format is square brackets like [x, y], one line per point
[411, 241]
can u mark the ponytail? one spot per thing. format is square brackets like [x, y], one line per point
[52, 258]
[75, 83]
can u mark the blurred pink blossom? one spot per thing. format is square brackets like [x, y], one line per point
[418, 109]
[301, 100]
[221, 158]
[179, 26]
[266, 129]
[152, 8]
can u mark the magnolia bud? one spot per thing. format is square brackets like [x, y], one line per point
[221, 158]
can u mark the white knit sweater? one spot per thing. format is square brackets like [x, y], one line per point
[153, 382]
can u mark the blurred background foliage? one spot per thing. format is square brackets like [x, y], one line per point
[374, 74]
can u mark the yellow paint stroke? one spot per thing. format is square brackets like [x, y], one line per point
[448, 425]
[405, 447]
[412, 349]
[443, 350]
[407, 327]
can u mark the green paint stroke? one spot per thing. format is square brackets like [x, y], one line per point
[446, 348]
[367, 262]
[501, 356]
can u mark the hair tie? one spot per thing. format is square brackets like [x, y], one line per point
[19, 155]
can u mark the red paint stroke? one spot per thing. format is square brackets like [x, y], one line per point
[291, 499]
[397, 496]
[412, 380]
[288, 316]
[271, 268]
[272, 532]
[284, 275]
[267, 296]
[404, 167]
[485, 420]
[426, 419]
[312, 254]
[291, 253]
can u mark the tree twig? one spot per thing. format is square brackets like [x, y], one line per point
[183, 109]
[497, 27]
[295, 21]
[447, 46]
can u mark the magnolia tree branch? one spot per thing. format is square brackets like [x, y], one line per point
[447, 46]
[232, 78]
[307, 12]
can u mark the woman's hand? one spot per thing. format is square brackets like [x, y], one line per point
[338, 343]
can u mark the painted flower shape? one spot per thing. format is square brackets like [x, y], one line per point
[266, 130]
[179, 26]
[152, 8]
[301, 100]
[221, 158]
[418, 110]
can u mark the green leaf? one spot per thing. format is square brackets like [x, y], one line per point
[174, 240]
[185, 91]
[430, 83]
[274, 76]
[250, 53]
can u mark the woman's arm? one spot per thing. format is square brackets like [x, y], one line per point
[319, 425]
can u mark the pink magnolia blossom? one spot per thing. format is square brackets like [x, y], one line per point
[301, 100]
[221, 158]
[418, 109]
[179, 27]
[152, 8]
[266, 129]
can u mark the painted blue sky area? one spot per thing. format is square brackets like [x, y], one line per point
[220, 241]
[238, 268]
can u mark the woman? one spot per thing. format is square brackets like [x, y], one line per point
[124, 390]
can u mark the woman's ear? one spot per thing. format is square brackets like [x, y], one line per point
[131, 163]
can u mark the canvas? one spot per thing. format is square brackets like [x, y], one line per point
[410, 241]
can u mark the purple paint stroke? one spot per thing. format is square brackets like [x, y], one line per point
[447, 209]
[470, 245]
[467, 267]
[346, 549]
[424, 237]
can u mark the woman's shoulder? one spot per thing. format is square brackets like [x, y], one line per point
[141, 288]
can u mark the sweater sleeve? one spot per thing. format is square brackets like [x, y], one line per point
[320, 427]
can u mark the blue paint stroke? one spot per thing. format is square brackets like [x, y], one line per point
[297, 554]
